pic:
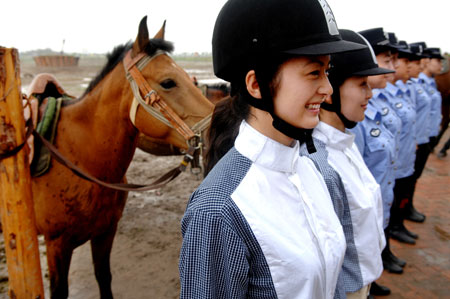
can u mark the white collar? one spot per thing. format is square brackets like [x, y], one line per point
[264, 151]
[333, 137]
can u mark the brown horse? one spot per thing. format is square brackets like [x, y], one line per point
[97, 134]
[443, 84]
[213, 89]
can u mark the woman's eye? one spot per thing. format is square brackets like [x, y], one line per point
[315, 73]
[168, 84]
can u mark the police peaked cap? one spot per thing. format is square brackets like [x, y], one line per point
[434, 53]
[423, 46]
[405, 51]
[356, 63]
[417, 49]
[249, 30]
[378, 39]
[393, 40]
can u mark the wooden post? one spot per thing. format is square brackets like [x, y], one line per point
[16, 204]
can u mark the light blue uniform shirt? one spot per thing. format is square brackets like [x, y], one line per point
[406, 90]
[375, 142]
[436, 104]
[407, 146]
[423, 107]
[382, 102]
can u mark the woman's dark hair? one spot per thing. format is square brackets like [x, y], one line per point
[227, 116]
[230, 111]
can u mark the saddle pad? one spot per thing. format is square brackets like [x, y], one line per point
[46, 128]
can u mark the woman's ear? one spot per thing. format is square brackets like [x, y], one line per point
[252, 85]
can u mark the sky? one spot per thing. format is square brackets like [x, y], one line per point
[97, 26]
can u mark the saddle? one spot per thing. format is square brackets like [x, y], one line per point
[45, 96]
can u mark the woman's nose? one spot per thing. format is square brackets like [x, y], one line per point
[325, 87]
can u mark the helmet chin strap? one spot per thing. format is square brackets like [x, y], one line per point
[300, 134]
[266, 104]
[337, 109]
[335, 106]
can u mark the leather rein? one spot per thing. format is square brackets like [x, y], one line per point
[154, 105]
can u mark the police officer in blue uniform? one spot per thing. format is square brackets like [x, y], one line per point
[376, 137]
[399, 96]
[433, 67]
[423, 109]
[380, 102]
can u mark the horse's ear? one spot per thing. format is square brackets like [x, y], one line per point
[161, 31]
[142, 37]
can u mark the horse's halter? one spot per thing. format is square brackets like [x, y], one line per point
[155, 105]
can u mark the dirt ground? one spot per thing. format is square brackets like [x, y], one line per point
[145, 253]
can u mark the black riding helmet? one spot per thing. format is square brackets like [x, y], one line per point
[249, 34]
[378, 40]
[345, 65]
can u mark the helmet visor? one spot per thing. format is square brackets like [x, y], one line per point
[325, 48]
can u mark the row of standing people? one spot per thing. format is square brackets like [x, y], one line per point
[399, 131]
[289, 207]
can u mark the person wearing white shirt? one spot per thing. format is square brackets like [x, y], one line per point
[335, 146]
[262, 224]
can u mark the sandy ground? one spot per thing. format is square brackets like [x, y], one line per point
[145, 253]
[146, 248]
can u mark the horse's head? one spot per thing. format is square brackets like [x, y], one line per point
[167, 106]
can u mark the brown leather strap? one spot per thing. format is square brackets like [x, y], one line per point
[29, 126]
[162, 181]
[149, 95]
[130, 62]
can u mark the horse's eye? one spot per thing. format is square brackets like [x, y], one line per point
[168, 84]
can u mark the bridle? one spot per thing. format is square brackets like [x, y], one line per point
[155, 105]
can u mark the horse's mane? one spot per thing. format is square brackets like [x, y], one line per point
[117, 55]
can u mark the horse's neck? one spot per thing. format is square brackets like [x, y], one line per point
[97, 132]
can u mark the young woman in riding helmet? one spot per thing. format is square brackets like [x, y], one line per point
[262, 224]
[347, 177]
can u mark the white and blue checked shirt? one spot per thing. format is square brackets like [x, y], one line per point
[363, 265]
[261, 225]
[350, 278]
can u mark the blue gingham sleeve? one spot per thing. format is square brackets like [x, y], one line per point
[213, 258]
[350, 277]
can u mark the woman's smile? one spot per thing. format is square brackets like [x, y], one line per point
[313, 108]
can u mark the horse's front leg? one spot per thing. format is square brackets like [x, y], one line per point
[59, 254]
[101, 246]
